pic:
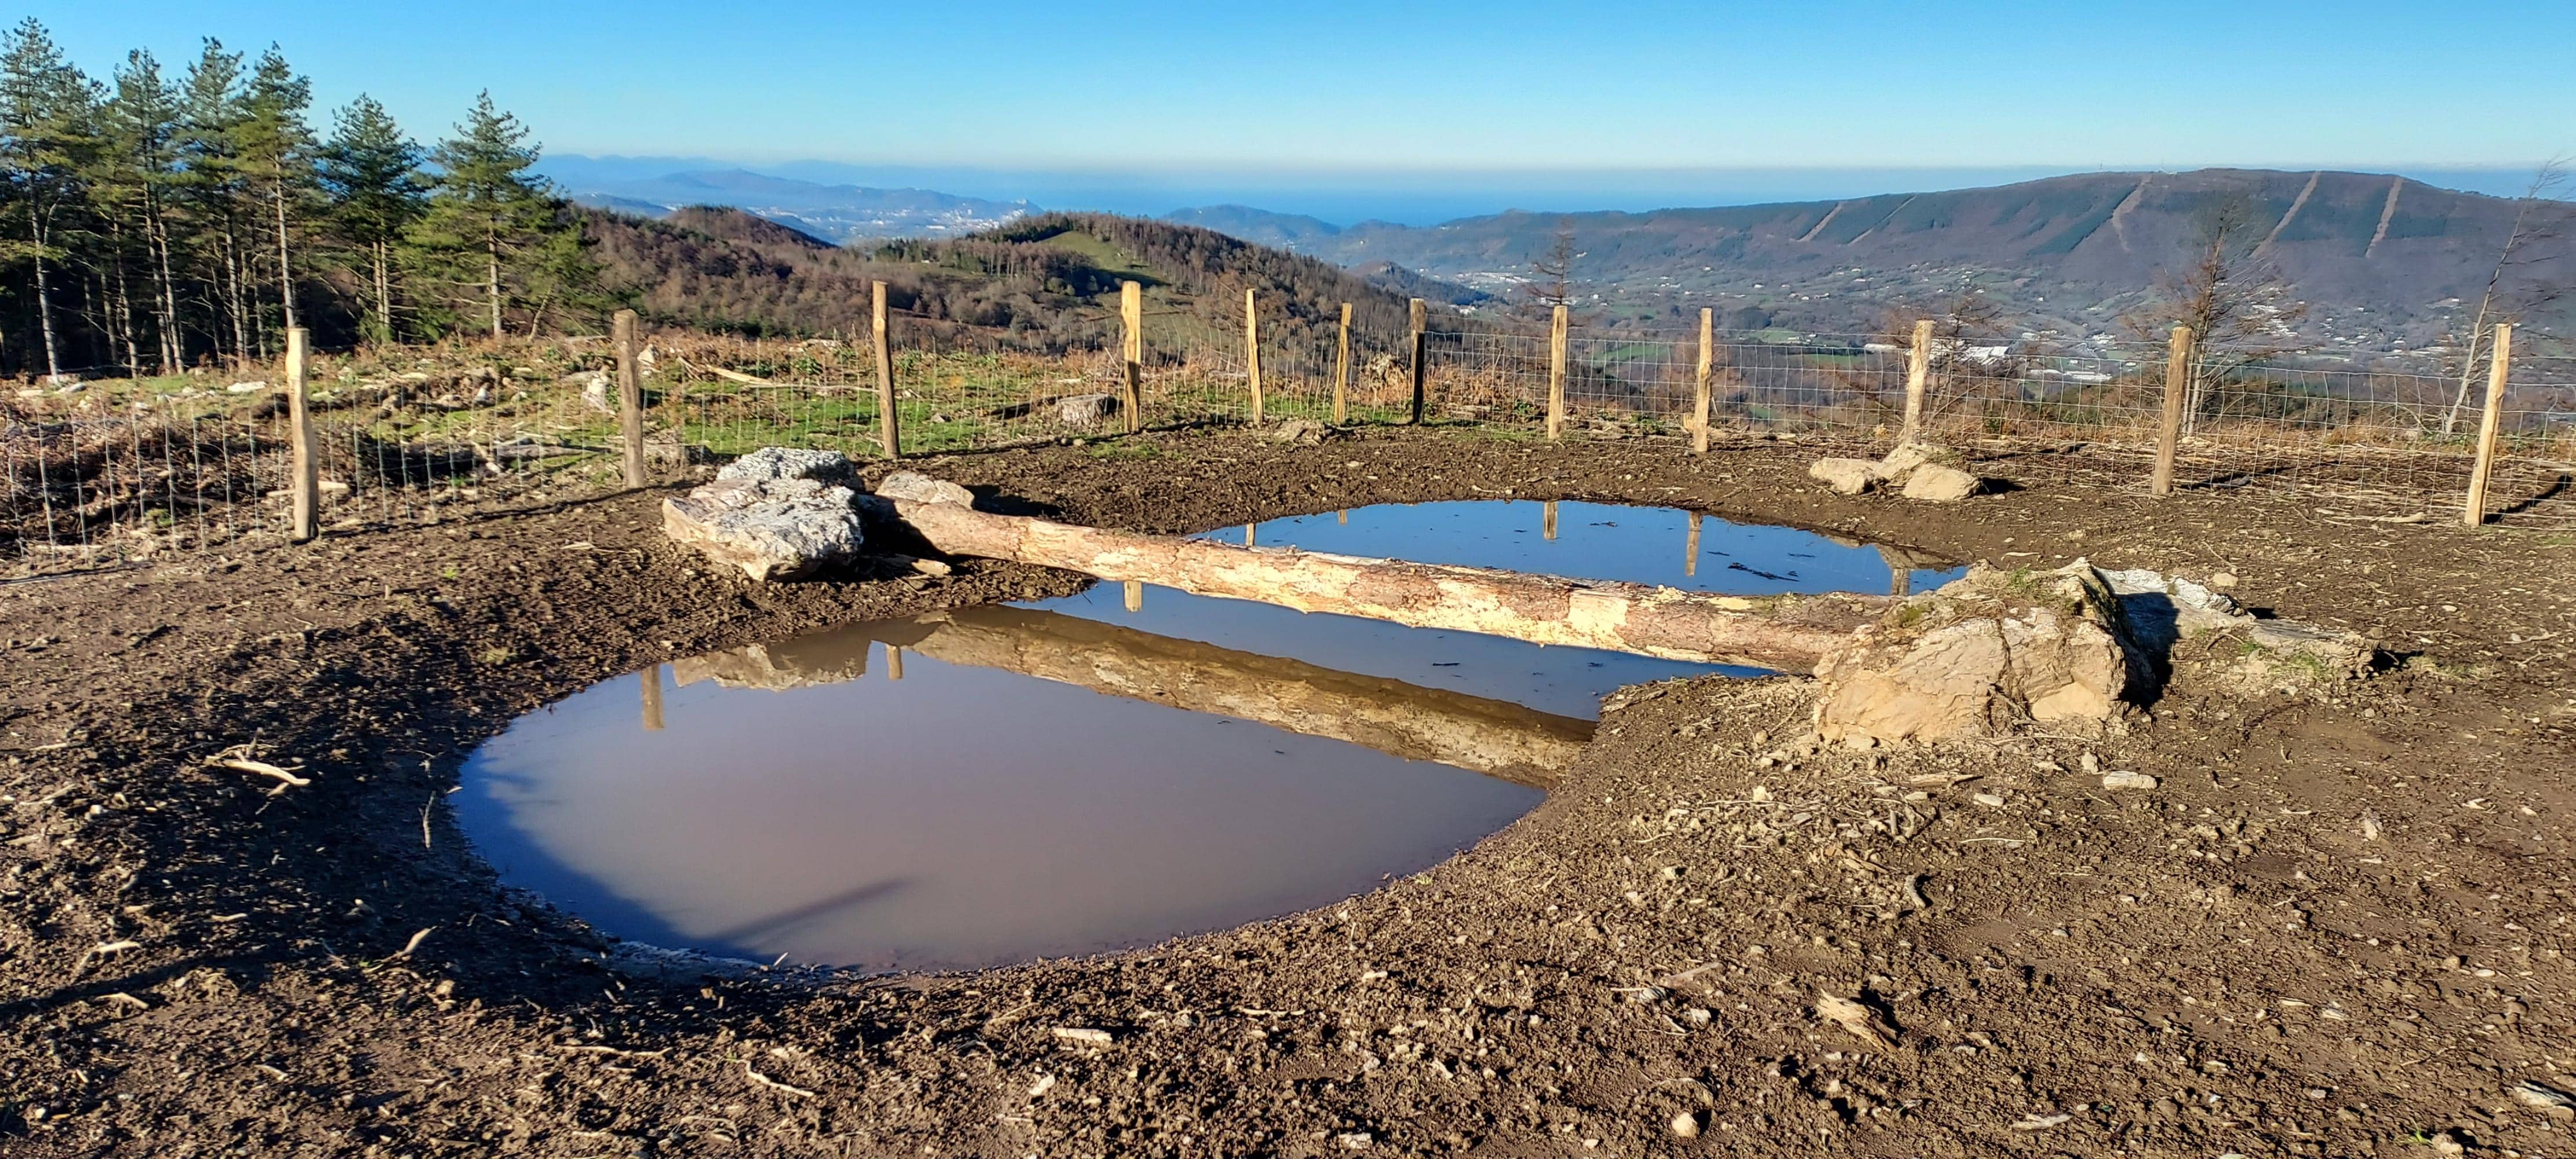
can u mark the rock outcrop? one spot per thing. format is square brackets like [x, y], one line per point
[1979, 656]
[778, 513]
[1994, 650]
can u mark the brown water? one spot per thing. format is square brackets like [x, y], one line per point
[1087, 774]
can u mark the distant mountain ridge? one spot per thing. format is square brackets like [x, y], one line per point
[2387, 263]
[2384, 259]
[840, 213]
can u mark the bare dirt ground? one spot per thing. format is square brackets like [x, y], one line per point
[2338, 927]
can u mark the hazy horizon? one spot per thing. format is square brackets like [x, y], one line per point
[1418, 197]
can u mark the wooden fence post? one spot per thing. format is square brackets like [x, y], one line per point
[307, 480]
[1547, 519]
[1342, 371]
[1699, 394]
[1690, 548]
[1556, 373]
[2499, 368]
[889, 423]
[2169, 425]
[630, 397]
[1131, 318]
[1419, 323]
[1252, 352]
[653, 699]
[1918, 373]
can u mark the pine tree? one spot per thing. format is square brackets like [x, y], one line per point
[48, 133]
[213, 187]
[488, 211]
[276, 151]
[138, 167]
[371, 172]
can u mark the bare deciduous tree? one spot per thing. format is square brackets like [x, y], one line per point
[1551, 282]
[2235, 300]
[2512, 291]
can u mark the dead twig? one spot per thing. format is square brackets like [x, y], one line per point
[411, 945]
[774, 1084]
[287, 779]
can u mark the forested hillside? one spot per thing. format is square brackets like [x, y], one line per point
[1046, 283]
[162, 218]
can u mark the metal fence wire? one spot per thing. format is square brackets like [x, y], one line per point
[124, 471]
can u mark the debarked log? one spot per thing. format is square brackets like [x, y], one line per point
[1495, 737]
[1787, 633]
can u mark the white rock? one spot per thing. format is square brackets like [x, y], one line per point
[773, 529]
[1905, 458]
[1847, 476]
[790, 463]
[1934, 483]
[1085, 410]
[596, 392]
[2127, 780]
[1299, 431]
[915, 487]
[246, 387]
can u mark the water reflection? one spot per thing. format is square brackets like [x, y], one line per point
[1094, 772]
[1406, 721]
[1033, 784]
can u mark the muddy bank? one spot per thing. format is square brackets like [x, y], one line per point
[2334, 928]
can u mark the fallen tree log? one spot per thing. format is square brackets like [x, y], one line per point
[1495, 737]
[1789, 633]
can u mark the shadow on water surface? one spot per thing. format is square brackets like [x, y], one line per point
[1095, 772]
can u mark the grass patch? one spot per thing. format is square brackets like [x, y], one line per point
[1124, 451]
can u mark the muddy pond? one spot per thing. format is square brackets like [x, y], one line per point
[1091, 773]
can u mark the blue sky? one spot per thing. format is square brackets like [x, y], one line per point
[1288, 90]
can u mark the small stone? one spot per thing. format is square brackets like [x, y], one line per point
[2127, 780]
[1305, 431]
[1934, 483]
[1847, 476]
[595, 392]
[1686, 1126]
[2555, 1103]
[1988, 800]
[1356, 1140]
[915, 487]
[2224, 579]
[1085, 410]
[1084, 1035]
[2446, 1143]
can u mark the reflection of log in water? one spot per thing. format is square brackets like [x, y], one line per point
[1789, 633]
[1494, 737]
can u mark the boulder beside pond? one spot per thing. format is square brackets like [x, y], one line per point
[772, 528]
[1994, 650]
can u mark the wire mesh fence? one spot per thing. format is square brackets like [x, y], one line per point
[112, 473]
